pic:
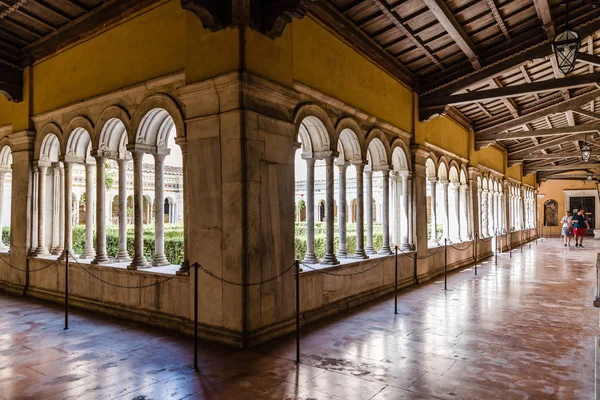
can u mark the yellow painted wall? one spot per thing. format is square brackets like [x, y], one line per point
[515, 172]
[148, 46]
[209, 54]
[492, 157]
[271, 58]
[5, 111]
[445, 133]
[530, 180]
[323, 62]
[555, 190]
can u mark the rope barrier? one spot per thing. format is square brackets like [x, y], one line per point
[486, 240]
[420, 258]
[122, 286]
[222, 280]
[323, 271]
[31, 270]
[466, 248]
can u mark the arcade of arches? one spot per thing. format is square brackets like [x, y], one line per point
[319, 155]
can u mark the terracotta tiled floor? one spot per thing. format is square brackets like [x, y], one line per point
[524, 329]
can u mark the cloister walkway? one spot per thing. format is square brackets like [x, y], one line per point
[523, 329]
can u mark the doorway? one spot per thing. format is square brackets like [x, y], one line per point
[588, 204]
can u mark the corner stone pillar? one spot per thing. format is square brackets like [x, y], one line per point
[419, 208]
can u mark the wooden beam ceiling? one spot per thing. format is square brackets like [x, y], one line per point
[540, 132]
[571, 82]
[546, 144]
[542, 7]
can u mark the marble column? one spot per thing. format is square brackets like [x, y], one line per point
[368, 204]
[159, 212]
[360, 220]
[455, 212]
[465, 228]
[310, 257]
[101, 256]
[88, 251]
[491, 212]
[55, 209]
[139, 260]
[432, 181]
[67, 211]
[395, 208]
[484, 213]
[385, 248]
[404, 233]
[3, 246]
[329, 257]
[444, 201]
[61, 211]
[122, 255]
[42, 250]
[34, 218]
[342, 207]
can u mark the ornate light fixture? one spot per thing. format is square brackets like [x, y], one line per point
[566, 46]
[589, 176]
[586, 151]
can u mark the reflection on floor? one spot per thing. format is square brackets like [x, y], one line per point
[524, 328]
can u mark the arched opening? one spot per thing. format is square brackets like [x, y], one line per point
[442, 203]
[157, 176]
[464, 206]
[401, 199]
[454, 205]
[47, 237]
[432, 224]
[322, 211]
[5, 196]
[377, 184]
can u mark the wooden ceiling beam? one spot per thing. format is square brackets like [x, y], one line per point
[570, 167]
[52, 11]
[567, 130]
[590, 59]
[572, 104]
[496, 13]
[445, 17]
[30, 17]
[587, 113]
[395, 19]
[571, 82]
[546, 145]
[542, 7]
[528, 80]
[538, 51]
[11, 83]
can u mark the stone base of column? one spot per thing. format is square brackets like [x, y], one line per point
[406, 247]
[63, 255]
[42, 252]
[360, 255]
[122, 257]
[329, 259]
[342, 253]
[184, 269]
[88, 254]
[160, 261]
[57, 250]
[310, 258]
[455, 240]
[385, 251]
[138, 262]
[370, 250]
[101, 259]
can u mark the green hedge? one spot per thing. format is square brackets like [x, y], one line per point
[320, 238]
[6, 234]
[173, 241]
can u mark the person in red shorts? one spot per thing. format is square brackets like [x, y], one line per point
[579, 226]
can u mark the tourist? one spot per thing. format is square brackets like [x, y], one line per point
[579, 226]
[567, 228]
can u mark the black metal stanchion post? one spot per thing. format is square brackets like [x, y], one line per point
[67, 290]
[196, 270]
[396, 282]
[476, 255]
[445, 264]
[297, 311]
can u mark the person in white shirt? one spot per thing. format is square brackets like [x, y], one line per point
[567, 228]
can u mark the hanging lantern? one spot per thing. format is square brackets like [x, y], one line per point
[566, 46]
[586, 152]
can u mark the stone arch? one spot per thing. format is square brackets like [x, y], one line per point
[113, 122]
[431, 167]
[158, 101]
[383, 155]
[314, 129]
[42, 143]
[484, 182]
[79, 145]
[76, 124]
[400, 156]
[5, 155]
[454, 173]
[349, 139]
[443, 168]
[463, 174]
